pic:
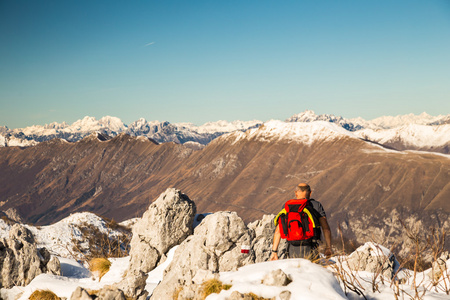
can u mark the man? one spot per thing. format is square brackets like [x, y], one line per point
[305, 249]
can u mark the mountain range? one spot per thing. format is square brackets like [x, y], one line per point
[368, 190]
[406, 132]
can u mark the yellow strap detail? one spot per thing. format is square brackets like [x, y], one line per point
[310, 216]
[283, 211]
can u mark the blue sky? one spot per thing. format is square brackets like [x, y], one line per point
[200, 61]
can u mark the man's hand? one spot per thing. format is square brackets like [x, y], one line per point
[273, 256]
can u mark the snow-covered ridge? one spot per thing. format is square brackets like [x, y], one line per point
[410, 132]
[59, 237]
[306, 133]
[384, 122]
[112, 126]
[421, 136]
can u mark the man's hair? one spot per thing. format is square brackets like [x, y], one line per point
[304, 188]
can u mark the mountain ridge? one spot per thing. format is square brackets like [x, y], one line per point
[54, 178]
[378, 130]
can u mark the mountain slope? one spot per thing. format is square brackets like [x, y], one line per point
[362, 185]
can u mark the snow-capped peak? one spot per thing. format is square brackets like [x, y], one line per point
[387, 122]
[305, 133]
[420, 136]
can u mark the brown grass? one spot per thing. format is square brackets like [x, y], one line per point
[43, 295]
[100, 266]
[213, 286]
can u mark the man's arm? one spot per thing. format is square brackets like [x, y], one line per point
[327, 234]
[276, 242]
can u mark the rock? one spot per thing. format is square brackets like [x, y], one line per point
[439, 266]
[277, 278]
[80, 294]
[262, 244]
[21, 261]
[215, 246]
[373, 258]
[110, 293]
[285, 295]
[204, 275]
[166, 223]
[12, 214]
[238, 296]
[133, 284]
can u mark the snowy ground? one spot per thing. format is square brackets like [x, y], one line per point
[309, 281]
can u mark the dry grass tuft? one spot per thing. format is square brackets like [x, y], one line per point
[256, 297]
[99, 266]
[43, 295]
[213, 286]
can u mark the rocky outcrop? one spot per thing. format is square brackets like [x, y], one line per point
[167, 222]
[439, 266]
[262, 243]
[106, 293]
[215, 246]
[373, 258]
[21, 261]
[80, 294]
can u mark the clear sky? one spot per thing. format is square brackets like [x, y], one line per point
[199, 61]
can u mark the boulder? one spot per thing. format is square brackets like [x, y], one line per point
[285, 295]
[277, 278]
[262, 243]
[133, 284]
[110, 293]
[80, 294]
[21, 261]
[439, 266]
[167, 222]
[238, 296]
[373, 258]
[215, 246]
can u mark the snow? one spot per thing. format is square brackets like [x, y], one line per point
[402, 120]
[414, 130]
[74, 275]
[309, 280]
[306, 133]
[413, 135]
[58, 237]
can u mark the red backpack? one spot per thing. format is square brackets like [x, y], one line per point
[299, 222]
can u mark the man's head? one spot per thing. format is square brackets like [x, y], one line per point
[303, 191]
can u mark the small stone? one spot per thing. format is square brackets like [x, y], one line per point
[277, 278]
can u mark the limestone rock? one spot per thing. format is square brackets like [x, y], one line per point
[80, 294]
[238, 296]
[166, 223]
[110, 293]
[133, 284]
[373, 258]
[215, 246]
[439, 266]
[277, 278]
[21, 261]
[262, 244]
[285, 295]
